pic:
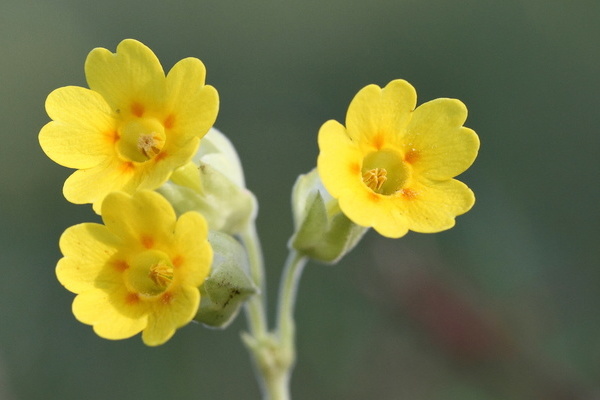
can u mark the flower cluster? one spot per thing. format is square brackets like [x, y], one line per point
[171, 193]
[142, 270]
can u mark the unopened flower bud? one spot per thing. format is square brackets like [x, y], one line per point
[228, 286]
[322, 231]
[213, 184]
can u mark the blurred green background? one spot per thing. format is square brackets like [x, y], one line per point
[503, 306]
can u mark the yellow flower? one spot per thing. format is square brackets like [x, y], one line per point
[138, 272]
[133, 127]
[391, 167]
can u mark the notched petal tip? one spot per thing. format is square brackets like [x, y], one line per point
[331, 134]
[374, 110]
[132, 70]
[442, 111]
[402, 88]
[191, 68]
[471, 136]
[137, 52]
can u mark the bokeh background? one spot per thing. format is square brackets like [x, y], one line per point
[503, 306]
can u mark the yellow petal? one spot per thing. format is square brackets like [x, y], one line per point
[112, 316]
[195, 252]
[81, 135]
[173, 155]
[87, 248]
[368, 209]
[169, 315]
[132, 74]
[444, 148]
[339, 162]
[374, 111]
[436, 204]
[145, 218]
[195, 106]
[113, 174]
[92, 185]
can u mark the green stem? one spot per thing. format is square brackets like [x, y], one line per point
[273, 352]
[256, 305]
[288, 289]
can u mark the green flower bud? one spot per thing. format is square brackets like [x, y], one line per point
[322, 231]
[228, 286]
[213, 184]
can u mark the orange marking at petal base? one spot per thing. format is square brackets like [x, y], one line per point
[412, 156]
[166, 298]
[374, 197]
[120, 265]
[147, 241]
[127, 167]
[169, 121]
[132, 298]
[160, 156]
[112, 136]
[378, 141]
[137, 109]
[409, 194]
[177, 261]
[354, 168]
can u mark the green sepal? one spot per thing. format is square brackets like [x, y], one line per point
[228, 286]
[323, 232]
[212, 183]
[226, 206]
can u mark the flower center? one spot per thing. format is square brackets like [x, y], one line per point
[384, 171]
[161, 275]
[150, 273]
[375, 178]
[141, 139]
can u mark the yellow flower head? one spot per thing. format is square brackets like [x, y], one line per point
[391, 167]
[138, 272]
[134, 125]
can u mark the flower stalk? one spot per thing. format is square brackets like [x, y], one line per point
[274, 352]
[256, 305]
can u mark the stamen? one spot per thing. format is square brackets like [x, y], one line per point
[161, 275]
[147, 145]
[375, 178]
[141, 140]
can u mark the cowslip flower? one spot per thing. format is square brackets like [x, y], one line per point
[140, 271]
[134, 125]
[392, 166]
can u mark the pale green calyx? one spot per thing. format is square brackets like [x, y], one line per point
[218, 151]
[322, 231]
[213, 184]
[228, 286]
